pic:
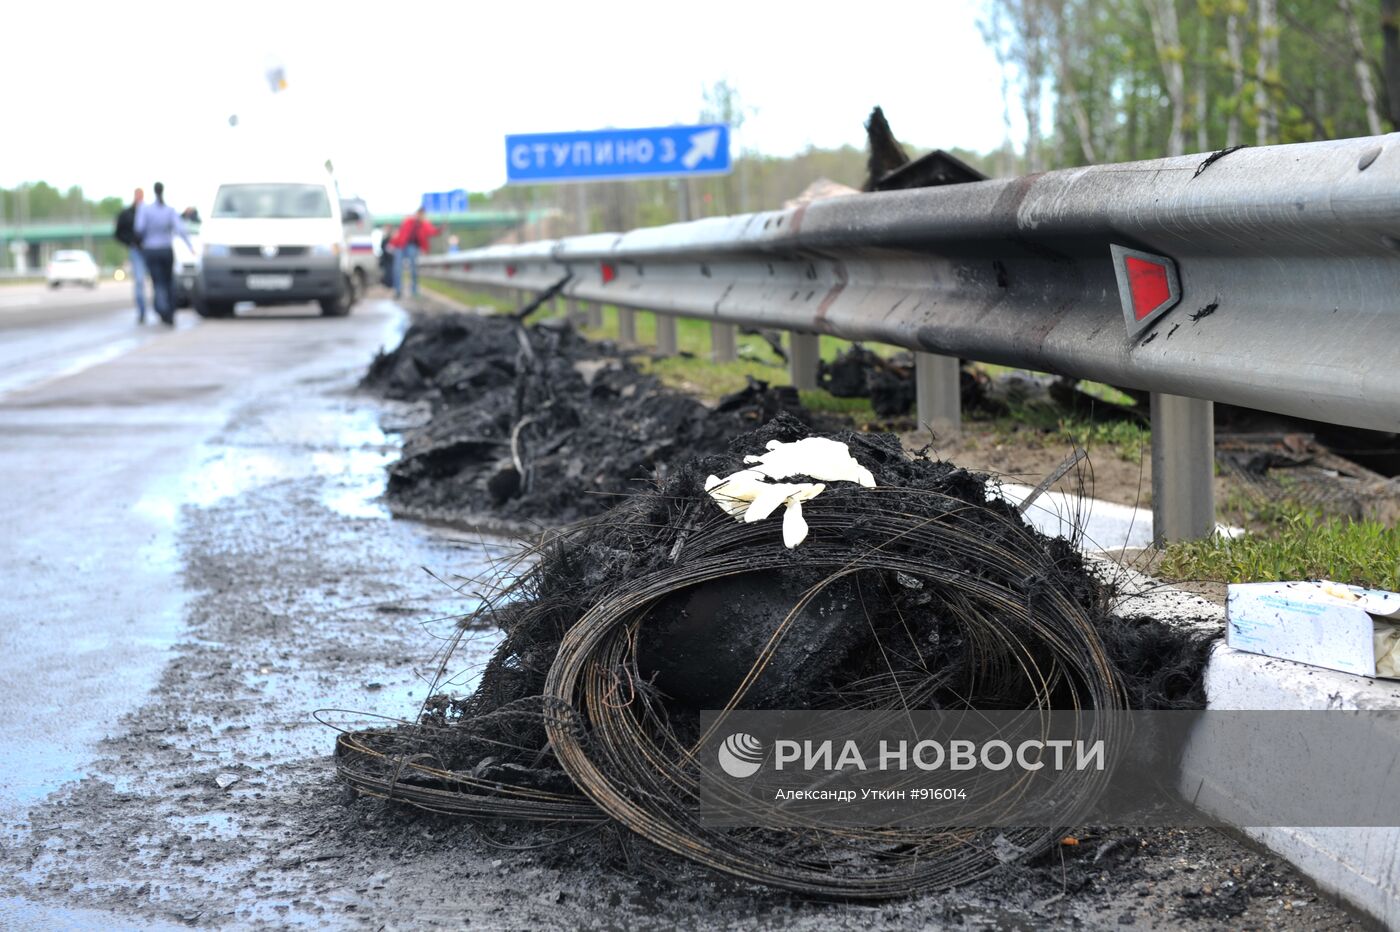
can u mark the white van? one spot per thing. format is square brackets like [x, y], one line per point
[275, 240]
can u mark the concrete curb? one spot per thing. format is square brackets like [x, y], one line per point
[1359, 865]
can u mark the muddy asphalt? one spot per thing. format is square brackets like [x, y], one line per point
[197, 559]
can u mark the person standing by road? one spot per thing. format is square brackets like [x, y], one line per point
[125, 234]
[386, 257]
[157, 225]
[411, 239]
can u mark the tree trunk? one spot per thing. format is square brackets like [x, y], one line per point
[1363, 68]
[1202, 90]
[1132, 99]
[1390, 31]
[1166, 35]
[1267, 73]
[992, 34]
[1069, 93]
[1031, 97]
[1236, 53]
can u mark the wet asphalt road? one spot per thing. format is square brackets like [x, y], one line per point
[117, 441]
[105, 426]
[196, 560]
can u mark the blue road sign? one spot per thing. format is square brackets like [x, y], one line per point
[446, 202]
[607, 154]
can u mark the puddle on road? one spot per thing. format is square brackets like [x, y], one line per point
[48, 365]
[345, 447]
[16, 912]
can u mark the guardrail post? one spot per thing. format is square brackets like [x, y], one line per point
[626, 325]
[804, 352]
[938, 393]
[665, 334]
[1183, 468]
[724, 342]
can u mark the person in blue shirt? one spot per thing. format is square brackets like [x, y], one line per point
[157, 225]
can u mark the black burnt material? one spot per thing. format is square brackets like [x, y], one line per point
[926, 593]
[535, 424]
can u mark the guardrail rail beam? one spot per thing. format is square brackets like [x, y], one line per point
[1264, 277]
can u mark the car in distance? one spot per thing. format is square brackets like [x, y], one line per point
[72, 267]
[275, 240]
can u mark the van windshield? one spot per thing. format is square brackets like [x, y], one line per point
[272, 201]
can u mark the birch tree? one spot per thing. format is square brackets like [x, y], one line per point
[1234, 50]
[1390, 34]
[1066, 88]
[1166, 36]
[1363, 68]
[1267, 73]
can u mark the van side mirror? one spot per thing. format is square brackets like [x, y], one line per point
[351, 216]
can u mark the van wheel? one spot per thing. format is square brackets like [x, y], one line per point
[214, 308]
[339, 306]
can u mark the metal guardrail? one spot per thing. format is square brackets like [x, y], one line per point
[1287, 260]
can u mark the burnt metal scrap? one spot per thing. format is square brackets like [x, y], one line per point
[891, 169]
[922, 592]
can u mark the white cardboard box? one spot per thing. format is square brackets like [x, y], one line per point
[1320, 623]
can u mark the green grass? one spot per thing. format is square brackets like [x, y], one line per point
[1291, 541]
[1043, 423]
[1127, 440]
[467, 296]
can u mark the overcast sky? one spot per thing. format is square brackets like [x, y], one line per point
[406, 97]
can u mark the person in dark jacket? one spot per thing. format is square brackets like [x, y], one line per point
[386, 258]
[157, 225]
[411, 239]
[125, 234]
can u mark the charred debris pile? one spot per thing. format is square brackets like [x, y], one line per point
[916, 589]
[534, 424]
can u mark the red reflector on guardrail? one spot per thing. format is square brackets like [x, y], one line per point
[609, 272]
[1148, 286]
[510, 271]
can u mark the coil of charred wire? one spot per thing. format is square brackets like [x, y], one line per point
[922, 593]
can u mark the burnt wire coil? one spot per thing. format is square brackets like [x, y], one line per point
[961, 606]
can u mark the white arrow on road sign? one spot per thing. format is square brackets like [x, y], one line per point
[702, 146]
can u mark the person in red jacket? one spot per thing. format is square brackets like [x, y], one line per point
[411, 239]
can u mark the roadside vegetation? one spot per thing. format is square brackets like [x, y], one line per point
[1290, 540]
[1042, 425]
